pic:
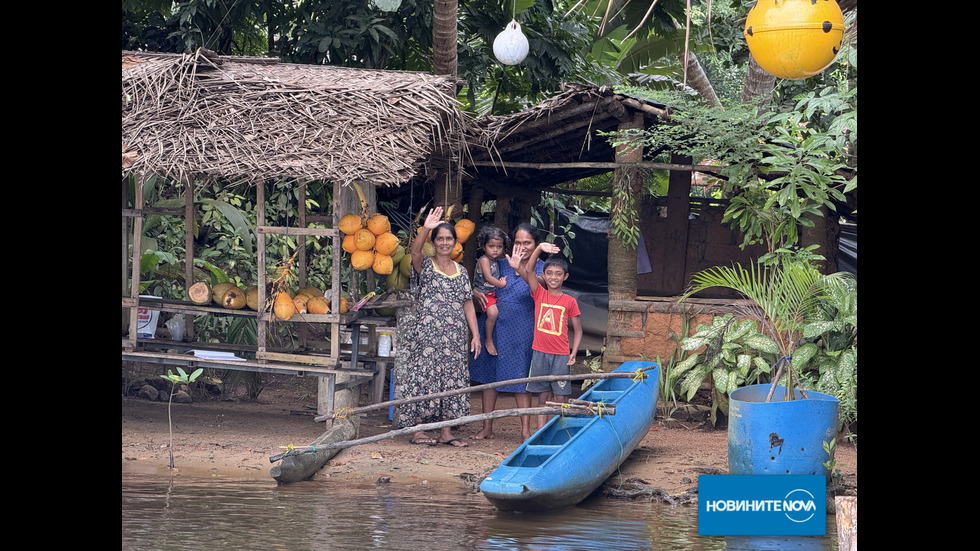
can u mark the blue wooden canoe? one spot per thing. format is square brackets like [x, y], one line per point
[568, 458]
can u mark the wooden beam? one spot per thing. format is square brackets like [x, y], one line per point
[595, 165]
[282, 230]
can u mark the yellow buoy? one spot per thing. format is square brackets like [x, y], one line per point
[794, 39]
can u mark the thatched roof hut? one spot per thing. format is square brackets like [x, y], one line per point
[253, 119]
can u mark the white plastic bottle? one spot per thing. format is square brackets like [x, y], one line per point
[384, 344]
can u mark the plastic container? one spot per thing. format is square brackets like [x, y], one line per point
[146, 320]
[779, 437]
[384, 344]
[176, 327]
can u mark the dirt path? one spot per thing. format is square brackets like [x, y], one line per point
[234, 439]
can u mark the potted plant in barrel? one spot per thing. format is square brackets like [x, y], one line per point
[780, 427]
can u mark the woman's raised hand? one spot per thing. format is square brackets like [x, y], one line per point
[433, 219]
[514, 259]
[549, 248]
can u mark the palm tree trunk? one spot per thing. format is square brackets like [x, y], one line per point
[444, 37]
[759, 85]
[698, 80]
[620, 259]
[448, 191]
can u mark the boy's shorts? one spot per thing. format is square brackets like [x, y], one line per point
[491, 299]
[542, 364]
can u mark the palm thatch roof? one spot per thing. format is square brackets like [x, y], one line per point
[556, 140]
[256, 119]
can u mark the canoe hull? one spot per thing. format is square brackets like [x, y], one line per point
[571, 456]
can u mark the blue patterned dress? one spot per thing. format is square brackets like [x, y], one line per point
[440, 346]
[512, 335]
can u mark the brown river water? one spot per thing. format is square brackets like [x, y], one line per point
[163, 514]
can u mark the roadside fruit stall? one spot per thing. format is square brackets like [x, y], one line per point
[194, 117]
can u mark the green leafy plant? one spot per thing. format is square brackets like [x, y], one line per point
[180, 378]
[594, 364]
[734, 353]
[547, 218]
[830, 448]
[828, 357]
[669, 375]
[779, 297]
[668, 388]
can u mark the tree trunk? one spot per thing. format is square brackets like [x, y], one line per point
[444, 37]
[626, 203]
[698, 80]
[759, 85]
[620, 259]
[448, 189]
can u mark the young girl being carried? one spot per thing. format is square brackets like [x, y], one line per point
[487, 278]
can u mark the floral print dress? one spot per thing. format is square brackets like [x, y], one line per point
[438, 359]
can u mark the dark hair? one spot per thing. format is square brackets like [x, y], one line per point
[448, 226]
[489, 232]
[556, 261]
[530, 229]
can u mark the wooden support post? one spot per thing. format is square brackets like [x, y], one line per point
[301, 261]
[379, 381]
[125, 249]
[847, 522]
[621, 259]
[673, 273]
[325, 396]
[189, 250]
[262, 325]
[134, 290]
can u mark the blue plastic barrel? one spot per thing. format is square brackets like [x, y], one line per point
[779, 437]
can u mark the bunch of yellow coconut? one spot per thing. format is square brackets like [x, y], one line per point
[369, 240]
[308, 300]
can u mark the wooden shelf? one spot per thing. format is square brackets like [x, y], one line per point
[183, 307]
[308, 358]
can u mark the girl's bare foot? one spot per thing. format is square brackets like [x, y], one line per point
[483, 435]
[491, 349]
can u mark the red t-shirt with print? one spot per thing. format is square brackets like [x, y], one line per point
[551, 315]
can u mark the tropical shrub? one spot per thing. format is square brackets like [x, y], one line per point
[828, 356]
[734, 354]
[773, 333]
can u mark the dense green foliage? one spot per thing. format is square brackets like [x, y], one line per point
[224, 243]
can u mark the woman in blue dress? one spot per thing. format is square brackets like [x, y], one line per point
[512, 335]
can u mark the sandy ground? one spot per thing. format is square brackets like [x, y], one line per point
[235, 439]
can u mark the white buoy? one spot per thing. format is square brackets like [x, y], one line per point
[510, 47]
[387, 5]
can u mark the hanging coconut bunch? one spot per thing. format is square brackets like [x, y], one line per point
[280, 300]
[368, 239]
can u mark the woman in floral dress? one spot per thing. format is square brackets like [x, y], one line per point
[445, 321]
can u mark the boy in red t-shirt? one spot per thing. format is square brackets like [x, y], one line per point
[553, 310]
